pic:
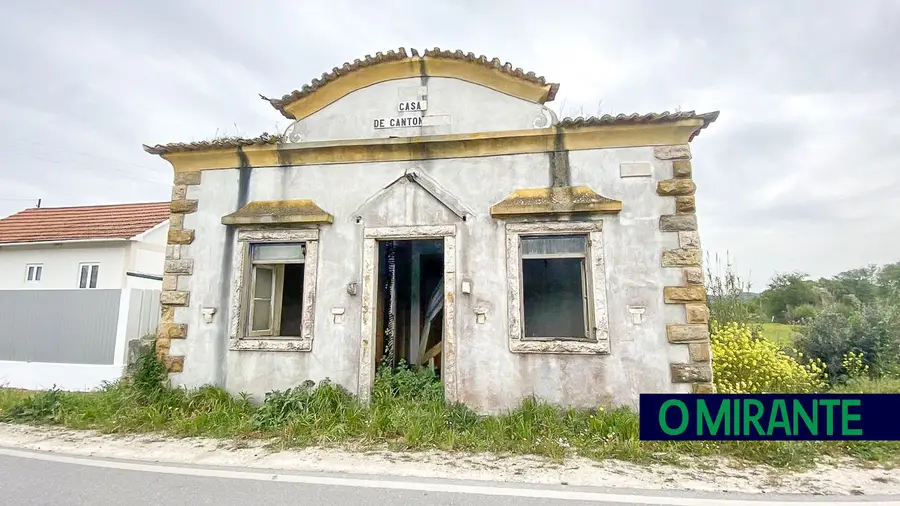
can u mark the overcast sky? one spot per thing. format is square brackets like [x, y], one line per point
[801, 172]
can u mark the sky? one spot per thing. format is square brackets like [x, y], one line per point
[800, 173]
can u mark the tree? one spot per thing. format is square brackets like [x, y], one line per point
[888, 280]
[787, 291]
[861, 283]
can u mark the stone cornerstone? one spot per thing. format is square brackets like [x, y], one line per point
[178, 267]
[693, 330]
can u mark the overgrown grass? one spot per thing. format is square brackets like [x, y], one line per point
[781, 334]
[869, 386]
[10, 396]
[407, 412]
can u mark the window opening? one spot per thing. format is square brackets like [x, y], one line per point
[276, 290]
[555, 287]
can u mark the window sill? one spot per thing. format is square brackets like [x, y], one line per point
[579, 347]
[271, 344]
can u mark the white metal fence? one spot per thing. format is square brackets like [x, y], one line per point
[73, 339]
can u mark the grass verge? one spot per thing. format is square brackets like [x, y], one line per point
[408, 412]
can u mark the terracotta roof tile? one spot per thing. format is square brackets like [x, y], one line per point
[228, 142]
[78, 223]
[621, 119]
[654, 117]
[401, 54]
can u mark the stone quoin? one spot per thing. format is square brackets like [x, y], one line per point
[431, 208]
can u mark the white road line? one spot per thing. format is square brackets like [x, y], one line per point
[567, 495]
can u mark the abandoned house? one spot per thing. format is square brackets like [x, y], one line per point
[429, 208]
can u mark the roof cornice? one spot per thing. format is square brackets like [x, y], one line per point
[481, 70]
[662, 131]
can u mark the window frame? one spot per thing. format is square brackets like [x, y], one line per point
[276, 296]
[241, 337]
[92, 266]
[38, 269]
[593, 286]
[587, 312]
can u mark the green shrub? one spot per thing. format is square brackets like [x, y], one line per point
[745, 364]
[149, 376]
[802, 313]
[870, 330]
[43, 407]
[280, 408]
[416, 383]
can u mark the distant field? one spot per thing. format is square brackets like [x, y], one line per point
[780, 333]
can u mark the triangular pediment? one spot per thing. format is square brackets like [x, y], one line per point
[412, 199]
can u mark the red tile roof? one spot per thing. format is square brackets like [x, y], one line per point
[79, 223]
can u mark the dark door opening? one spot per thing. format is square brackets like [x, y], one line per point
[410, 303]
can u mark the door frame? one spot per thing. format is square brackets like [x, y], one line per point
[371, 236]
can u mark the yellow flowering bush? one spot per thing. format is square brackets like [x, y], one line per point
[745, 365]
[854, 366]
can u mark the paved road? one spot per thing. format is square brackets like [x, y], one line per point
[34, 478]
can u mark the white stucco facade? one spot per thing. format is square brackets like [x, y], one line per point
[61, 262]
[58, 334]
[453, 107]
[483, 367]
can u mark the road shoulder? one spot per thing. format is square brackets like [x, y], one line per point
[839, 478]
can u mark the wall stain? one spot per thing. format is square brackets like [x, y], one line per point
[227, 262]
[560, 175]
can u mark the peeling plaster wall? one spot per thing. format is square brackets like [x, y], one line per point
[454, 106]
[490, 377]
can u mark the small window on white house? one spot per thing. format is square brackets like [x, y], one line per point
[87, 275]
[555, 287]
[33, 272]
[276, 290]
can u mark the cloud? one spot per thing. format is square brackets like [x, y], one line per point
[800, 172]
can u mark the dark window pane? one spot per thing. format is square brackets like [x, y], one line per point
[292, 300]
[82, 282]
[95, 269]
[553, 297]
[553, 245]
[37, 273]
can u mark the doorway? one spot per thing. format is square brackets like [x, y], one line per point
[408, 302]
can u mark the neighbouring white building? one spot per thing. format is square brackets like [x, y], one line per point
[76, 283]
[57, 248]
[430, 208]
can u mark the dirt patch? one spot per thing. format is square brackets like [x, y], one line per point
[837, 478]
